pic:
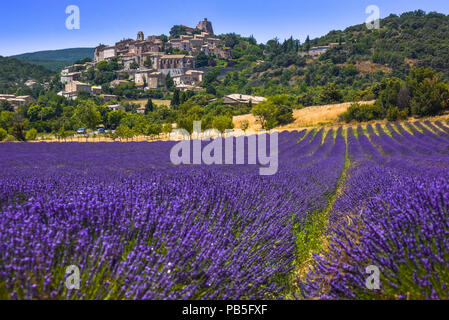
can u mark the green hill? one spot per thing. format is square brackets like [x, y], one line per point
[360, 61]
[14, 72]
[56, 59]
[412, 38]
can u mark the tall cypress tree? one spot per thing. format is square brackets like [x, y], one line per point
[149, 107]
[175, 100]
[307, 43]
[169, 83]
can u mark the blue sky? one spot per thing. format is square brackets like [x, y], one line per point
[30, 25]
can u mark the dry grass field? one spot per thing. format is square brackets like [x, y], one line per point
[326, 115]
[143, 102]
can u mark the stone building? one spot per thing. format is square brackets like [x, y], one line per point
[129, 47]
[318, 51]
[108, 97]
[76, 86]
[190, 78]
[205, 26]
[148, 78]
[146, 63]
[169, 64]
[17, 102]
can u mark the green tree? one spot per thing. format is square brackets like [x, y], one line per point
[166, 128]
[102, 65]
[86, 115]
[31, 134]
[6, 106]
[394, 114]
[163, 38]
[202, 60]
[221, 123]
[211, 77]
[177, 30]
[307, 44]
[62, 133]
[283, 111]
[430, 98]
[404, 98]
[149, 107]
[363, 112]
[330, 93]
[210, 89]
[124, 132]
[175, 101]
[34, 113]
[153, 129]
[265, 112]
[389, 94]
[115, 117]
[169, 83]
[17, 127]
[430, 95]
[6, 119]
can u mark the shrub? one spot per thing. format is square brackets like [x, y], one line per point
[284, 114]
[363, 112]
[3, 134]
[393, 114]
[430, 98]
[31, 134]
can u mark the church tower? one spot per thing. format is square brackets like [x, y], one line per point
[140, 36]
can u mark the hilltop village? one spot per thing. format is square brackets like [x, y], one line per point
[226, 80]
[148, 61]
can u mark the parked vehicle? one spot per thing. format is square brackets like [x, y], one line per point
[101, 131]
[81, 131]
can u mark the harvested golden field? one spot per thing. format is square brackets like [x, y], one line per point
[306, 117]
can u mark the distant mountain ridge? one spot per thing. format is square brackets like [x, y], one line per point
[56, 60]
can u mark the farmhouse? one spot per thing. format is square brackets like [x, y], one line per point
[116, 83]
[141, 110]
[17, 102]
[7, 96]
[319, 50]
[108, 97]
[242, 99]
[31, 84]
[115, 107]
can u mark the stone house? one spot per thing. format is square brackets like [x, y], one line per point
[237, 98]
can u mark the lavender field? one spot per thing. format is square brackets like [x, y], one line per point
[139, 227]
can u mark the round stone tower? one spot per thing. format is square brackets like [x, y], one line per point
[205, 26]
